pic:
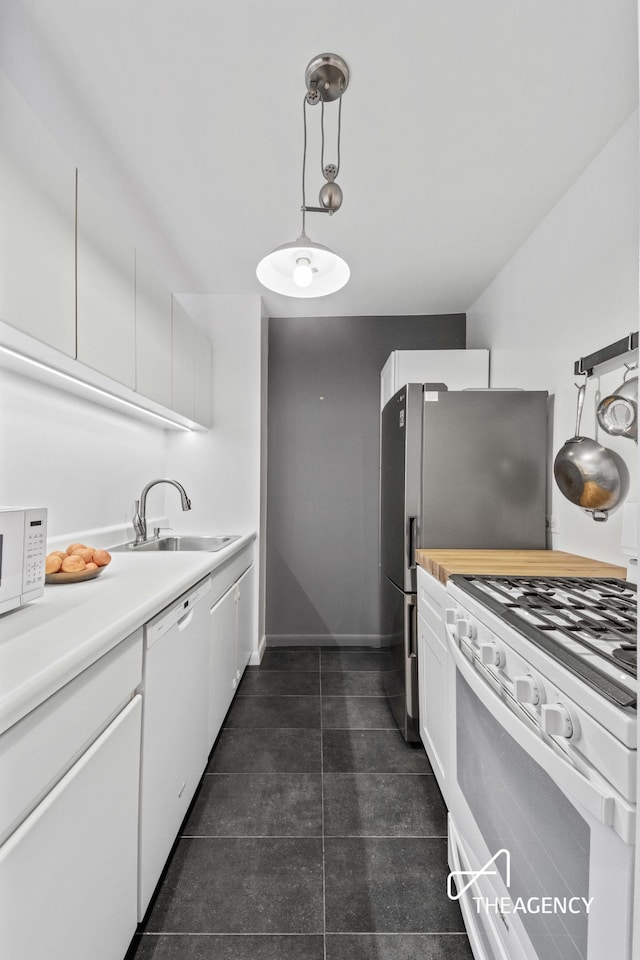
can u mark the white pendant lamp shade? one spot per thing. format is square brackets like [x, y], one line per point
[303, 269]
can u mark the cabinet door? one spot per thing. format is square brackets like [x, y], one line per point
[432, 691]
[458, 369]
[68, 874]
[222, 659]
[105, 290]
[203, 412]
[245, 645]
[37, 227]
[183, 354]
[153, 334]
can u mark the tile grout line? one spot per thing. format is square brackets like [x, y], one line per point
[289, 933]
[324, 882]
[306, 836]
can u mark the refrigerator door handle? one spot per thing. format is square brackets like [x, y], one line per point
[411, 654]
[410, 542]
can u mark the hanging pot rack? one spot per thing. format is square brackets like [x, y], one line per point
[586, 365]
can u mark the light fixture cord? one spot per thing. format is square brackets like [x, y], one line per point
[304, 160]
[322, 132]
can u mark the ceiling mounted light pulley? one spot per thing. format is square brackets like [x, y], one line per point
[304, 268]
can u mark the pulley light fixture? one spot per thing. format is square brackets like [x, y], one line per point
[304, 268]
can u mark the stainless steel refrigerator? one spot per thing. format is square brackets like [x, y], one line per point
[458, 469]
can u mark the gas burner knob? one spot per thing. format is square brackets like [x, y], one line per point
[526, 690]
[491, 655]
[466, 629]
[556, 721]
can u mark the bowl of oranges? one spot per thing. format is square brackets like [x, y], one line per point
[78, 562]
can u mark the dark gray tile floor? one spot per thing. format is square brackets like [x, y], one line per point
[316, 833]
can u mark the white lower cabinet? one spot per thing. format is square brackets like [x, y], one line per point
[174, 729]
[432, 674]
[68, 873]
[230, 646]
[432, 684]
[222, 660]
[245, 632]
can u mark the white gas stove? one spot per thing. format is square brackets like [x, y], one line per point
[543, 701]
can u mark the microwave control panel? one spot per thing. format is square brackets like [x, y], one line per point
[35, 548]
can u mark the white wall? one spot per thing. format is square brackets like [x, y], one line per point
[85, 463]
[571, 289]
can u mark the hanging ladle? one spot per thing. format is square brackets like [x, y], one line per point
[586, 472]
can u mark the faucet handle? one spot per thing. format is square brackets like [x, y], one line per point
[139, 524]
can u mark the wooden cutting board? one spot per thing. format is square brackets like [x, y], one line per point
[518, 563]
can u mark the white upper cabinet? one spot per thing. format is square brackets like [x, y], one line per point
[458, 369]
[203, 402]
[106, 292]
[183, 352]
[37, 227]
[153, 334]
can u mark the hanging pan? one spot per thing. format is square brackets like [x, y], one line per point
[586, 472]
[618, 413]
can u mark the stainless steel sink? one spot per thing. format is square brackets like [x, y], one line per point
[186, 544]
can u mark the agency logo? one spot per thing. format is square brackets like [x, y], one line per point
[472, 876]
[460, 881]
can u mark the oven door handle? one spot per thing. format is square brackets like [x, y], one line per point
[470, 918]
[595, 798]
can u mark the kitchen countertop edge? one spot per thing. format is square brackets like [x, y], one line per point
[42, 646]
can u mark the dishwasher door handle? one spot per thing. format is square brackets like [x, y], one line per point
[186, 620]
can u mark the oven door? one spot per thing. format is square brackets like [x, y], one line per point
[549, 826]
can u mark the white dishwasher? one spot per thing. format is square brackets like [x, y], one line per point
[174, 727]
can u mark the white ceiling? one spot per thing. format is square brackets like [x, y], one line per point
[463, 124]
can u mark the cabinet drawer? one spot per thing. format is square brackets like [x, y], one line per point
[38, 750]
[432, 596]
[226, 575]
[68, 873]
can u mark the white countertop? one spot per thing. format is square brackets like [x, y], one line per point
[45, 644]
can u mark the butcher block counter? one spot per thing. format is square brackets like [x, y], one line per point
[441, 564]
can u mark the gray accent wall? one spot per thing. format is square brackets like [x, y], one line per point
[322, 577]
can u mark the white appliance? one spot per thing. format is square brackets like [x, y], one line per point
[542, 786]
[459, 369]
[175, 749]
[23, 547]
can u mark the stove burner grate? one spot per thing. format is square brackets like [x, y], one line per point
[598, 614]
[627, 656]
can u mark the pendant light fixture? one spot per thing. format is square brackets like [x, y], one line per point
[303, 268]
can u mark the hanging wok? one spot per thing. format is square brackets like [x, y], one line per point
[586, 472]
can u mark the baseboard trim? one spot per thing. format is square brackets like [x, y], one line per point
[256, 657]
[324, 640]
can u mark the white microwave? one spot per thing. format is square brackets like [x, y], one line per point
[23, 546]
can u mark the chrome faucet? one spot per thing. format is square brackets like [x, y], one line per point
[140, 516]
